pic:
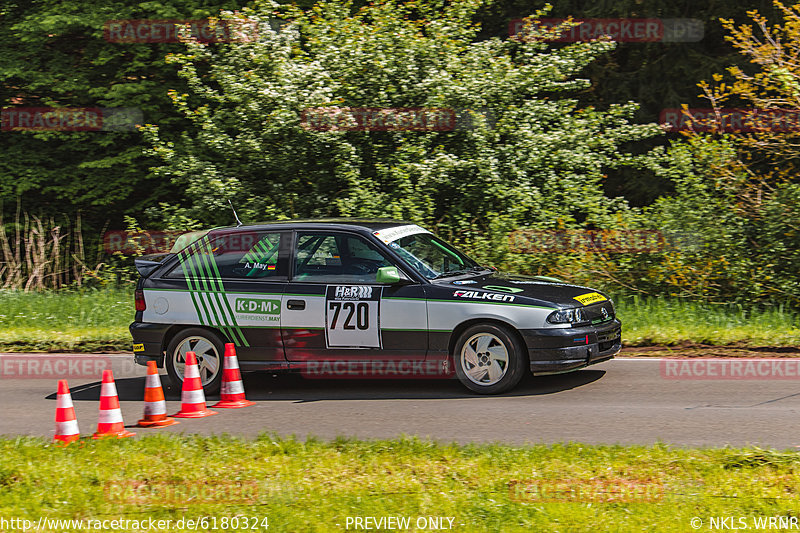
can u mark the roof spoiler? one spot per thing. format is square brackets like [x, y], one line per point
[145, 267]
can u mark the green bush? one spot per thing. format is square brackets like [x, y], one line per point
[534, 158]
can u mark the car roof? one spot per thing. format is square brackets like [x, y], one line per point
[362, 224]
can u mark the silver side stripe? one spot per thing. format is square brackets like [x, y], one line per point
[193, 396]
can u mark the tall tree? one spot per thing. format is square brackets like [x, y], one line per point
[53, 54]
[739, 191]
[536, 156]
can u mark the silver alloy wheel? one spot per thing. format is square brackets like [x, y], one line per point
[484, 359]
[208, 359]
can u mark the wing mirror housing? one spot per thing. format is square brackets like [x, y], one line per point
[390, 275]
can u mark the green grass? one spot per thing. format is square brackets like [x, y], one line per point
[313, 486]
[66, 321]
[98, 321]
[669, 321]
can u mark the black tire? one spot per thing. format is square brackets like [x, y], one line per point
[479, 373]
[209, 344]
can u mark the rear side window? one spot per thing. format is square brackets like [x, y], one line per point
[233, 255]
[259, 261]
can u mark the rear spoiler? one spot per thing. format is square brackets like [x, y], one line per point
[148, 264]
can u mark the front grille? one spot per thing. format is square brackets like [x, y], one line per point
[609, 336]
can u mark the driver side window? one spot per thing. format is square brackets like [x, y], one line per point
[336, 258]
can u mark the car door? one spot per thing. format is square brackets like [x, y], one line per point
[335, 310]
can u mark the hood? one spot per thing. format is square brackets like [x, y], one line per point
[527, 289]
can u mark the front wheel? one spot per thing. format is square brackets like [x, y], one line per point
[489, 359]
[208, 348]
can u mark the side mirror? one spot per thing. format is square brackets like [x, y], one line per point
[388, 275]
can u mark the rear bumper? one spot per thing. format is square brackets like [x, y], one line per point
[148, 341]
[553, 351]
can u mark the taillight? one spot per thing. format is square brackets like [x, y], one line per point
[138, 297]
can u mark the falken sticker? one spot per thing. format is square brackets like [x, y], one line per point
[398, 232]
[484, 296]
[590, 298]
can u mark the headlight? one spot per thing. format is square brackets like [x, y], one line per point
[567, 316]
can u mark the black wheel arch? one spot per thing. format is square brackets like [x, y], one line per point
[175, 329]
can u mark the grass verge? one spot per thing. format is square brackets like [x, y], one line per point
[659, 321]
[314, 486]
[68, 321]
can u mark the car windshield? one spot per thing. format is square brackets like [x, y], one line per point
[433, 257]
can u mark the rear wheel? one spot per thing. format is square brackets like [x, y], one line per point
[207, 346]
[489, 359]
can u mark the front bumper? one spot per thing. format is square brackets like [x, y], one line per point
[557, 350]
[148, 342]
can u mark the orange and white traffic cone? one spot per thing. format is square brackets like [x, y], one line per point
[66, 423]
[231, 395]
[109, 423]
[155, 408]
[193, 401]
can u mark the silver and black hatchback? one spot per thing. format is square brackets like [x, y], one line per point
[360, 298]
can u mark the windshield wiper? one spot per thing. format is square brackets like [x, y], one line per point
[450, 273]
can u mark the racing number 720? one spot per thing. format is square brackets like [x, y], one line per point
[360, 310]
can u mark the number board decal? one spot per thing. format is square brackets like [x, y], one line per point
[352, 316]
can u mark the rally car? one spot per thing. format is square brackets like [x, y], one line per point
[347, 297]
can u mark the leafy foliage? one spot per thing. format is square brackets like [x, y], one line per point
[739, 193]
[541, 161]
[554, 151]
[53, 54]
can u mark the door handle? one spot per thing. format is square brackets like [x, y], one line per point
[296, 305]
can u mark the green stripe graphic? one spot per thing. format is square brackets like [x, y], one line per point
[208, 292]
[220, 295]
[185, 261]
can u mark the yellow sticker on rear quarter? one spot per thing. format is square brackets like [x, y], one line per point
[138, 347]
[590, 298]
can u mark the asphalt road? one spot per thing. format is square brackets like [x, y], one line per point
[624, 401]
